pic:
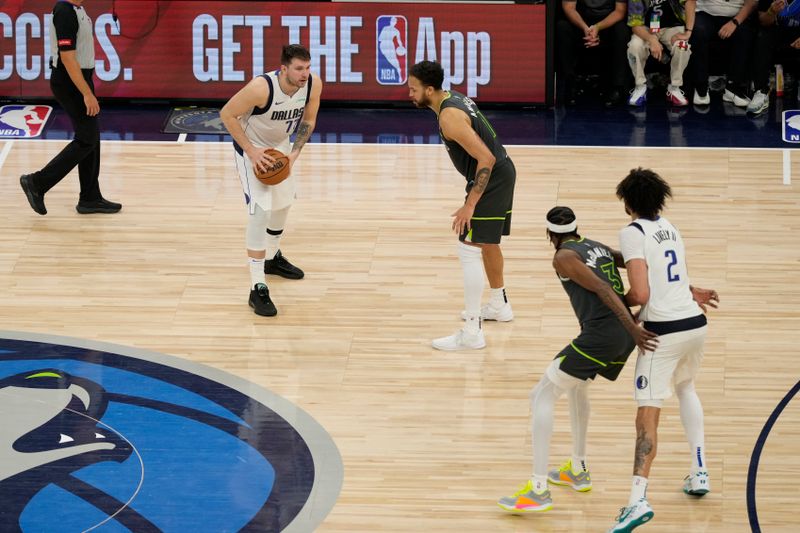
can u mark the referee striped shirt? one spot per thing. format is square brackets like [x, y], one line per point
[71, 29]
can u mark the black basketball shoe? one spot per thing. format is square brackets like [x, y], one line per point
[280, 266]
[260, 301]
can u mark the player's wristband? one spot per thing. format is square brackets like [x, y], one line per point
[735, 22]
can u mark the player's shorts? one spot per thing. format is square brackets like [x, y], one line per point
[492, 217]
[269, 197]
[601, 348]
[676, 359]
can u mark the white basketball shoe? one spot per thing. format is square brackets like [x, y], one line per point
[498, 314]
[697, 484]
[460, 340]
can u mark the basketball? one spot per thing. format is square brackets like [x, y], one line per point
[279, 171]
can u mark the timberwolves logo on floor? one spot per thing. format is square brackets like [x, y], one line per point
[201, 120]
[23, 121]
[104, 438]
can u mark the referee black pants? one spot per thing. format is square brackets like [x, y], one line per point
[84, 150]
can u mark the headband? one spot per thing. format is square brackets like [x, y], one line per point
[562, 228]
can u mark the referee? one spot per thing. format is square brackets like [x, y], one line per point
[72, 64]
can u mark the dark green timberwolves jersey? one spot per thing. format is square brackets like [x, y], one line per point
[465, 163]
[587, 305]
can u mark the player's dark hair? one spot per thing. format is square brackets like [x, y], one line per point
[294, 51]
[430, 73]
[644, 192]
[562, 215]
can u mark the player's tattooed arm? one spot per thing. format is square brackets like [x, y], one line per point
[569, 265]
[482, 179]
[303, 134]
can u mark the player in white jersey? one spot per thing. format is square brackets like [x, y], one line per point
[655, 260]
[262, 115]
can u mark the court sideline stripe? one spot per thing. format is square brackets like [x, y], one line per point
[752, 471]
[439, 145]
[5, 152]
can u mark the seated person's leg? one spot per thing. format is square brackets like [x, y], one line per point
[638, 52]
[569, 43]
[615, 42]
[704, 31]
[739, 61]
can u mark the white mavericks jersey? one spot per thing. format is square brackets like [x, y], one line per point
[270, 127]
[660, 244]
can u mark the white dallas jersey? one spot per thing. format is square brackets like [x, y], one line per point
[271, 125]
[660, 244]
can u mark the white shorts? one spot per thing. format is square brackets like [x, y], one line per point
[677, 359]
[269, 197]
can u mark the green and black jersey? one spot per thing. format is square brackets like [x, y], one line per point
[603, 345]
[465, 163]
[588, 307]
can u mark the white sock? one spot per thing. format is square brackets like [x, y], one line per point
[638, 489]
[539, 484]
[497, 297]
[693, 425]
[579, 421]
[472, 266]
[256, 271]
[472, 324]
[543, 401]
[699, 458]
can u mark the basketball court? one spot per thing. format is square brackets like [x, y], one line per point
[429, 440]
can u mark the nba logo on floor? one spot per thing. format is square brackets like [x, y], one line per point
[391, 36]
[23, 121]
[791, 126]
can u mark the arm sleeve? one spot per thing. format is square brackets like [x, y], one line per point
[65, 22]
[631, 243]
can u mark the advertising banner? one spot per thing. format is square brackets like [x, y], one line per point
[362, 51]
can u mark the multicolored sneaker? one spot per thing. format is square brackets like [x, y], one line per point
[525, 500]
[697, 484]
[632, 517]
[580, 481]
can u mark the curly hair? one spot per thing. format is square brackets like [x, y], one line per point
[644, 192]
[430, 73]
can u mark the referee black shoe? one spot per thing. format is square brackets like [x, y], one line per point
[35, 198]
[280, 266]
[97, 206]
[260, 301]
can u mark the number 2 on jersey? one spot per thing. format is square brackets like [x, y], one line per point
[673, 260]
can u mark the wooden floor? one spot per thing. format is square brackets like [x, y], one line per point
[429, 440]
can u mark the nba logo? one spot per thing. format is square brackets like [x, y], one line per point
[391, 35]
[791, 126]
[23, 121]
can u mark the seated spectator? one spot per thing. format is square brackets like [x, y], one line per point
[728, 21]
[597, 25]
[779, 35]
[657, 24]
